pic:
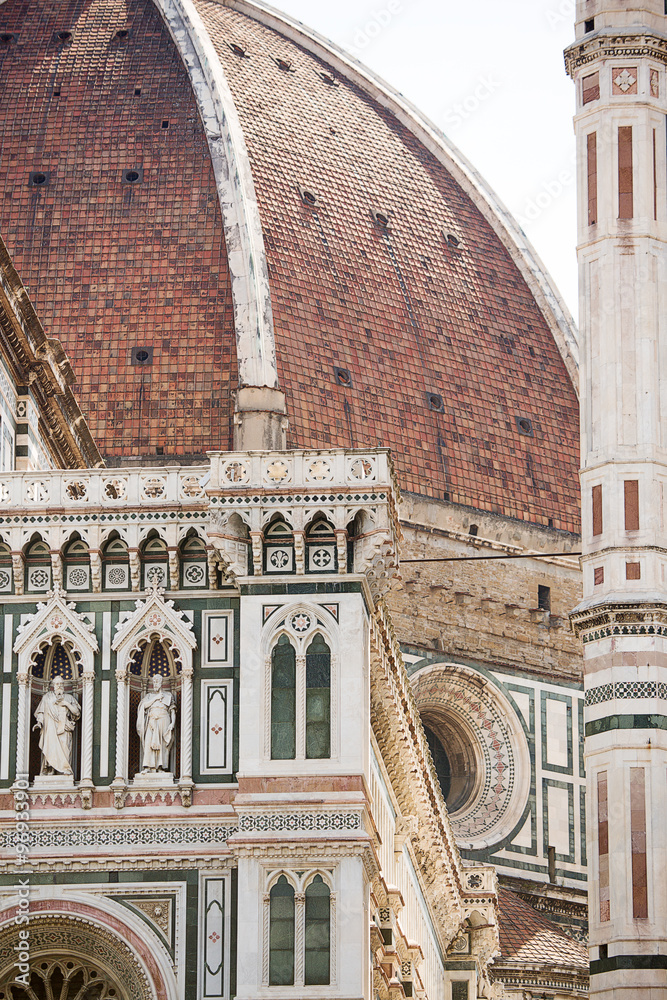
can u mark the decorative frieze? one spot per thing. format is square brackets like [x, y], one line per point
[614, 45]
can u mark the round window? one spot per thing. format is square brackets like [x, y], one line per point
[479, 751]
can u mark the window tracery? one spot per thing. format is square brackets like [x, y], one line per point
[299, 929]
[300, 700]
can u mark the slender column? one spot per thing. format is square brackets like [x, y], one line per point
[22, 729]
[120, 779]
[618, 64]
[300, 706]
[87, 713]
[185, 781]
[300, 937]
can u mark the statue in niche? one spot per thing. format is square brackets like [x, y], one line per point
[156, 718]
[57, 715]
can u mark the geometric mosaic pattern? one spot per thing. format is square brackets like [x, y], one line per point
[60, 837]
[625, 689]
[299, 821]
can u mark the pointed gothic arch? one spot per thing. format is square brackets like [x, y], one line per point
[56, 624]
[155, 623]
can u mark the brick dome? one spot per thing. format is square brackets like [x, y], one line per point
[229, 198]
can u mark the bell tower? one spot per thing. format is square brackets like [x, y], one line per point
[618, 64]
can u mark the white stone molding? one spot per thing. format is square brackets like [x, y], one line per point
[551, 304]
[154, 618]
[319, 622]
[253, 318]
[56, 620]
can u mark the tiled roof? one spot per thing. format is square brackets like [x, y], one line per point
[408, 315]
[112, 266]
[529, 938]
[401, 310]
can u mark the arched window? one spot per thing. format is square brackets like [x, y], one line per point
[321, 548]
[318, 699]
[279, 548]
[193, 563]
[77, 565]
[155, 562]
[6, 575]
[283, 700]
[281, 934]
[318, 934]
[116, 565]
[38, 567]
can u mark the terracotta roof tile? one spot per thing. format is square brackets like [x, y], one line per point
[111, 266]
[398, 307]
[529, 938]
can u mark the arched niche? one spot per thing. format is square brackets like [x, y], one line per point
[154, 656]
[56, 658]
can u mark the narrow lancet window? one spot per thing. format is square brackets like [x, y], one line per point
[283, 701]
[318, 699]
[318, 933]
[281, 934]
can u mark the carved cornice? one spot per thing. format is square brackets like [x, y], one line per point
[404, 750]
[632, 45]
[610, 619]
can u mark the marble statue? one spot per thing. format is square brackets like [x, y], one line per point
[156, 718]
[56, 715]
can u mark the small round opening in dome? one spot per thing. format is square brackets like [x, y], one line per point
[64, 36]
[6, 37]
[132, 176]
[238, 50]
[525, 426]
[309, 197]
[343, 376]
[453, 241]
[38, 179]
[381, 219]
[436, 402]
[123, 33]
[142, 355]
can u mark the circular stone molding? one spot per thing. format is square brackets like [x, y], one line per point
[486, 746]
[53, 935]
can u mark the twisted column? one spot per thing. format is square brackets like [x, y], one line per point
[300, 934]
[87, 726]
[21, 725]
[121, 724]
[186, 723]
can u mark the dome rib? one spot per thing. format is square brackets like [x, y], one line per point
[552, 306]
[253, 318]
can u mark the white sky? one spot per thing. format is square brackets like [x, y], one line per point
[491, 76]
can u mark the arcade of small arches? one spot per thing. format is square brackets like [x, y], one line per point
[198, 561]
[114, 567]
